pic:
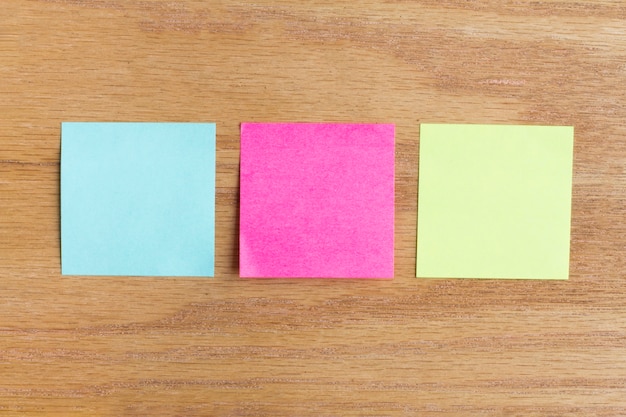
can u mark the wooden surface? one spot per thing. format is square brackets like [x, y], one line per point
[90, 346]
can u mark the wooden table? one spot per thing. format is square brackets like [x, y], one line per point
[125, 346]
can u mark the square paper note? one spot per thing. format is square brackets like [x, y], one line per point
[494, 201]
[137, 198]
[317, 200]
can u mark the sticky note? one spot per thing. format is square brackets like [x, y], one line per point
[494, 201]
[317, 200]
[138, 199]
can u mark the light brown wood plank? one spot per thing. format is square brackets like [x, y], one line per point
[78, 346]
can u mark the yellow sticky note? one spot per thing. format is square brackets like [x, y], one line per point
[494, 201]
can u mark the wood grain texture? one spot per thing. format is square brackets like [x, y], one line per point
[123, 346]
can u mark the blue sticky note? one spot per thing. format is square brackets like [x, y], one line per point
[138, 199]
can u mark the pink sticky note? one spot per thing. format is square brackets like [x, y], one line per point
[317, 200]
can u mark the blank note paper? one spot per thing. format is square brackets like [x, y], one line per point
[317, 200]
[494, 201]
[138, 199]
